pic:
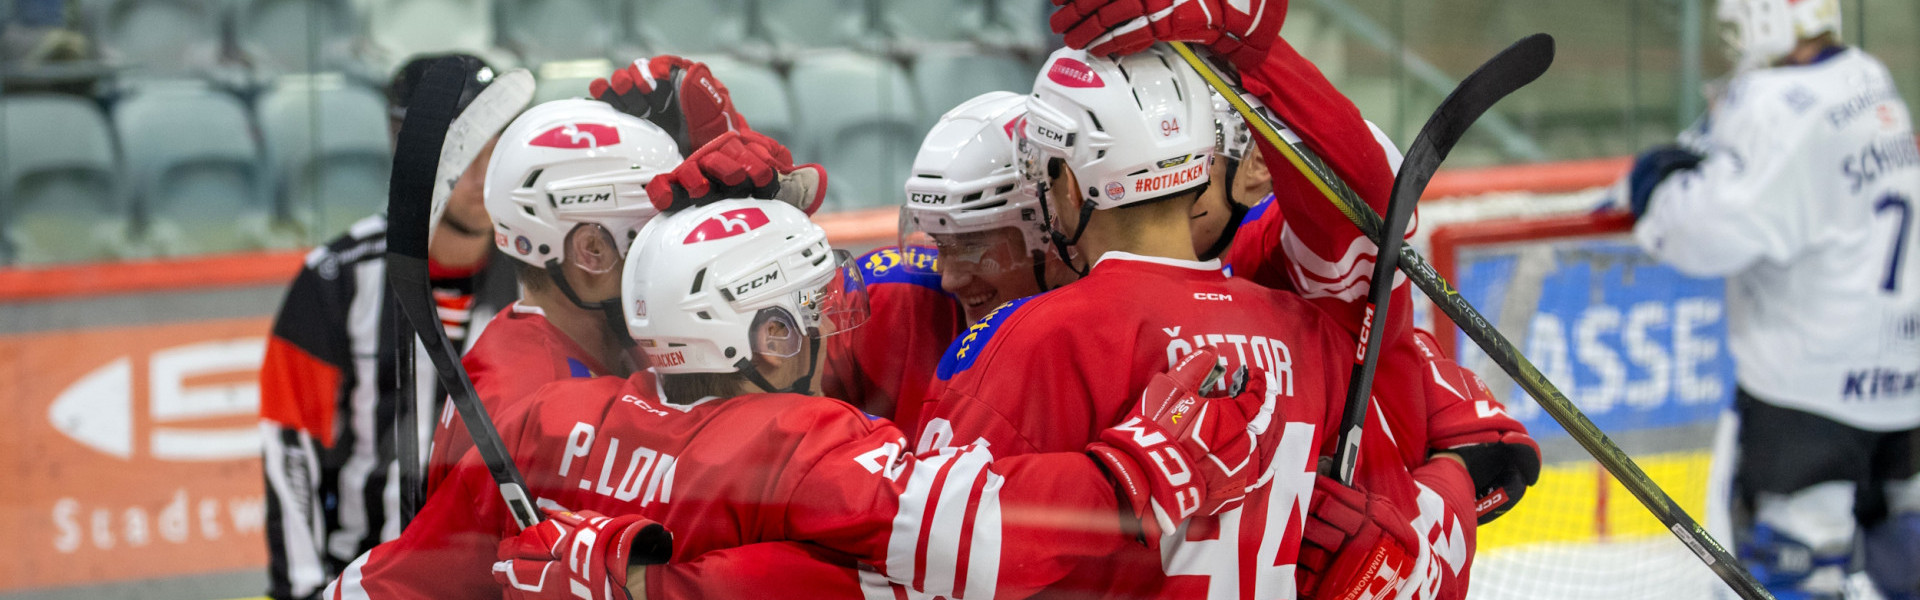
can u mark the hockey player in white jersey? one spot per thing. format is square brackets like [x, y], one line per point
[1800, 190]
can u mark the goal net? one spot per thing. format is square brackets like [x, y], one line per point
[1637, 346]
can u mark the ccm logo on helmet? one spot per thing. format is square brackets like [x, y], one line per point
[1160, 182]
[577, 135]
[1074, 74]
[744, 288]
[1212, 296]
[918, 198]
[726, 225]
[594, 195]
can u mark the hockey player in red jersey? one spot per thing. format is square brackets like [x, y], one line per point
[732, 300]
[1118, 150]
[566, 194]
[1299, 241]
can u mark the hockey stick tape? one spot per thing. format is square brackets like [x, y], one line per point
[489, 113]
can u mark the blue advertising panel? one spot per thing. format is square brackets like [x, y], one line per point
[1634, 343]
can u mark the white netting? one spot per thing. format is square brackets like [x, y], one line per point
[1588, 310]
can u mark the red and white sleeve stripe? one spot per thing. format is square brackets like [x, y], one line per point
[946, 536]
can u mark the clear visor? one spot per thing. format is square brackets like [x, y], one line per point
[932, 249]
[838, 306]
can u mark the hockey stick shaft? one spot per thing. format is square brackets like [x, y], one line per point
[1505, 73]
[409, 200]
[1502, 351]
[407, 426]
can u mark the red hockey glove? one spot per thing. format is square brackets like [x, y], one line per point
[1180, 454]
[1241, 30]
[1355, 544]
[679, 95]
[739, 164]
[579, 555]
[1464, 418]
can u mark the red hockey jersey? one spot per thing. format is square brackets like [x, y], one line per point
[726, 472]
[884, 366]
[1297, 240]
[519, 352]
[1048, 373]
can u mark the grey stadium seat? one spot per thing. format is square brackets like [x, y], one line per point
[1021, 24]
[63, 200]
[948, 77]
[294, 36]
[683, 27]
[327, 151]
[549, 30]
[194, 169]
[159, 37]
[568, 79]
[862, 123]
[918, 21]
[759, 94]
[404, 28]
[797, 24]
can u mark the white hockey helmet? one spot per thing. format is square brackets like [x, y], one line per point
[1761, 32]
[1131, 129]
[700, 281]
[964, 181]
[568, 163]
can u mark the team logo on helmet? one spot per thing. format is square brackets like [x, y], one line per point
[1074, 74]
[1013, 126]
[726, 225]
[578, 135]
[524, 245]
[1115, 190]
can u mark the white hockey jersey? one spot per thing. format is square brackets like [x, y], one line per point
[1805, 202]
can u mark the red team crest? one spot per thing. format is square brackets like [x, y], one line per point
[578, 135]
[726, 225]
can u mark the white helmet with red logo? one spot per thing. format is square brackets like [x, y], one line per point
[570, 162]
[1132, 129]
[701, 281]
[964, 179]
[1761, 32]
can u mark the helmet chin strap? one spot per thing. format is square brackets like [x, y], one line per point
[1040, 270]
[802, 386]
[1060, 240]
[609, 309]
[1236, 213]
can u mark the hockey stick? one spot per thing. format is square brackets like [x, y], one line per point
[1511, 69]
[483, 118]
[415, 160]
[1503, 352]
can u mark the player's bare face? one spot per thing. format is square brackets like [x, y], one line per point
[465, 234]
[985, 269]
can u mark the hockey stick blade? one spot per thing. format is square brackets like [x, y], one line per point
[1497, 346]
[409, 198]
[1511, 69]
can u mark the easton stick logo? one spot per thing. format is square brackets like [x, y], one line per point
[726, 225]
[1074, 74]
[577, 135]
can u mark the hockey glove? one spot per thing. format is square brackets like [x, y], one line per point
[679, 95]
[1653, 167]
[1464, 418]
[1355, 544]
[1241, 31]
[579, 555]
[739, 164]
[1180, 454]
